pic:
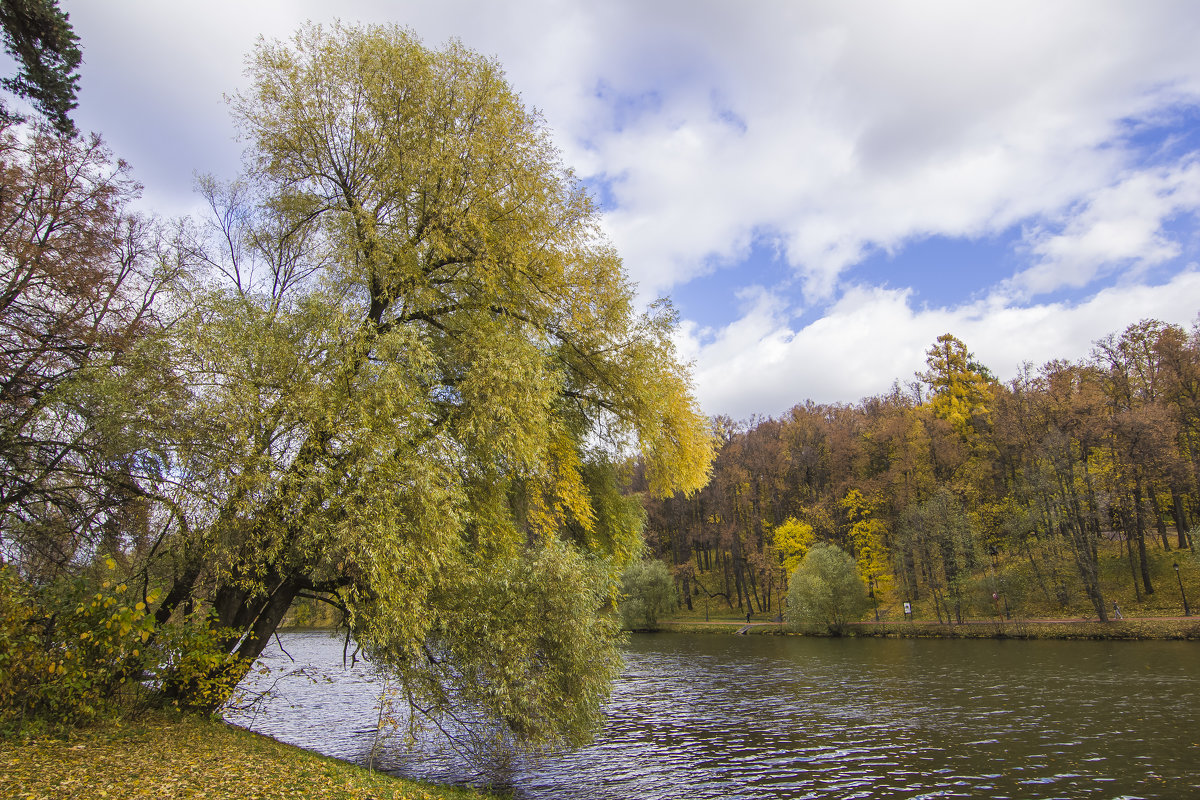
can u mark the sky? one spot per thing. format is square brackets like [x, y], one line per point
[822, 189]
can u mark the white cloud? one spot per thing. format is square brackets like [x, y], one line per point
[830, 129]
[838, 127]
[1116, 226]
[864, 126]
[872, 337]
[155, 74]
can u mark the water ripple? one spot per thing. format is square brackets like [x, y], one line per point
[758, 717]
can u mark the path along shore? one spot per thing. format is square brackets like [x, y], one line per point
[1038, 628]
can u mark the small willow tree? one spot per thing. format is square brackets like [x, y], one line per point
[647, 590]
[826, 590]
[415, 366]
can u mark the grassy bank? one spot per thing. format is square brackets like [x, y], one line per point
[1014, 586]
[1129, 629]
[178, 757]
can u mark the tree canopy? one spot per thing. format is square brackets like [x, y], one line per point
[406, 378]
[425, 366]
[826, 590]
[646, 592]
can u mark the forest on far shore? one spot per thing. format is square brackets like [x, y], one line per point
[1059, 491]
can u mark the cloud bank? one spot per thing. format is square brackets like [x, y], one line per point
[825, 131]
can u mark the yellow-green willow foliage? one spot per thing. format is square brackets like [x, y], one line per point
[419, 362]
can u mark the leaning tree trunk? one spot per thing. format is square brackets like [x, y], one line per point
[1160, 524]
[1127, 533]
[1180, 516]
[1140, 524]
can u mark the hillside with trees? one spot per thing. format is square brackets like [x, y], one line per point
[1054, 493]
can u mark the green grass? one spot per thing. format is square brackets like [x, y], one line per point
[1051, 591]
[169, 756]
[1017, 628]
[1136, 629]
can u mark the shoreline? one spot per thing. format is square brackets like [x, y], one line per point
[1129, 629]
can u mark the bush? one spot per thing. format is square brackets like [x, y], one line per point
[76, 648]
[826, 589]
[66, 648]
[647, 590]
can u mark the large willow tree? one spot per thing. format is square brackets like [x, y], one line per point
[415, 364]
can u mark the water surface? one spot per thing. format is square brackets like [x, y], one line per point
[711, 716]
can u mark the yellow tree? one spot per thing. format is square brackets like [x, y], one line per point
[867, 535]
[962, 396]
[420, 362]
[960, 387]
[793, 539]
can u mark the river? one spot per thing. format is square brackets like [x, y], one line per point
[711, 716]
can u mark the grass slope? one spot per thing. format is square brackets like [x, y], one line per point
[180, 757]
[1033, 584]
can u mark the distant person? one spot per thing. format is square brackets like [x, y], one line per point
[1117, 611]
[747, 617]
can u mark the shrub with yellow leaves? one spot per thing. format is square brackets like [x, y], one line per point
[74, 649]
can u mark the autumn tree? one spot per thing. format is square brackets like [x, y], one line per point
[1051, 437]
[961, 397]
[425, 422]
[867, 535]
[938, 535]
[1139, 427]
[957, 381]
[1178, 354]
[85, 388]
[793, 539]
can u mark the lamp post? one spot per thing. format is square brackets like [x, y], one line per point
[1187, 612]
[783, 591]
[995, 592]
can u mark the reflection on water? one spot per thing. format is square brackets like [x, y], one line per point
[785, 717]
